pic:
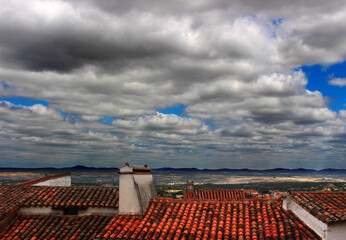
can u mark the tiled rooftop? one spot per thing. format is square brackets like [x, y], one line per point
[73, 197]
[216, 194]
[171, 219]
[326, 206]
[55, 227]
[42, 179]
[12, 197]
[164, 218]
[200, 219]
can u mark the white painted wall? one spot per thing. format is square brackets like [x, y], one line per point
[146, 189]
[64, 181]
[40, 211]
[81, 212]
[337, 231]
[97, 211]
[126, 169]
[128, 198]
[135, 190]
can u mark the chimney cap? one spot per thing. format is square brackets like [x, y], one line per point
[134, 169]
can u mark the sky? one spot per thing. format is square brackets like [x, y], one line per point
[209, 84]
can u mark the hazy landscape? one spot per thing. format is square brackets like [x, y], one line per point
[172, 181]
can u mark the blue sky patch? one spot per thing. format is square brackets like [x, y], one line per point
[277, 22]
[318, 76]
[177, 110]
[5, 86]
[25, 101]
[107, 119]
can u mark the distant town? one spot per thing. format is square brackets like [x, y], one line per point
[171, 182]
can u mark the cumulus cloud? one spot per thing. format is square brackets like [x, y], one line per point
[167, 124]
[232, 65]
[341, 82]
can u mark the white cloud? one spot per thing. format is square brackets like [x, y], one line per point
[341, 82]
[227, 63]
[342, 113]
[169, 123]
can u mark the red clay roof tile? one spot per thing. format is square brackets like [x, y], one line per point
[211, 194]
[192, 219]
[55, 227]
[14, 197]
[329, 207]
[73, 197]
[10, 199]
[163, 219]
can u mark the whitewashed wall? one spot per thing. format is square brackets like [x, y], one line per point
[337, 231]
[135, 190]
[64, 181]
[128, 197]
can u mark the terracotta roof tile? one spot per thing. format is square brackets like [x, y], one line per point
[200, 219]
[163, 219]
[10, 199]
[55, 227]
[328, 207]
[13, 197]
[42, 179]
[211, 194]
[81, 197]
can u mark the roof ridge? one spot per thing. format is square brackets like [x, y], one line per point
[215, 200]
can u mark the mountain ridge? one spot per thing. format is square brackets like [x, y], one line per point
[81, 168]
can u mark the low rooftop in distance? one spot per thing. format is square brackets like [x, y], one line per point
[45, 178]
[217, 194]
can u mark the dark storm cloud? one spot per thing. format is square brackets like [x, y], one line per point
[237, 133]
[271, 7]
[65, 47]
[231, 64]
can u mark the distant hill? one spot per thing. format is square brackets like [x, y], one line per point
[77, 168]
[176, 169]
[80, 168]
[269, 171]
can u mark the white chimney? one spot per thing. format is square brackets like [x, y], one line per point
[189, 185]
[136, 187]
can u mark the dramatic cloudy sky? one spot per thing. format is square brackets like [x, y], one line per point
[207, 84]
